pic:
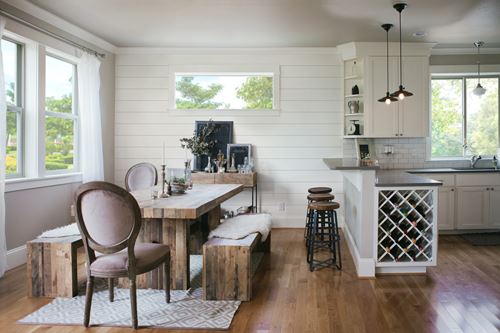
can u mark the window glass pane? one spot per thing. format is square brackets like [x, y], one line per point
[224, 91]
[10, 67]
[59, 143]
[11, 162]
[59, 85]
[482, 117]
[447, 118]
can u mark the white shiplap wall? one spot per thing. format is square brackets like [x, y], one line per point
[288, 146]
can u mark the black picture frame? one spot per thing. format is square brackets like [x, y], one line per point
[240, 151]
[222, 135]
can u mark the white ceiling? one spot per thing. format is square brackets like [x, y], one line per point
[277, 23]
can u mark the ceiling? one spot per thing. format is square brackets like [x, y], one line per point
[278, 23]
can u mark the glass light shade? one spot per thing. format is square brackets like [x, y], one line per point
[479, 90]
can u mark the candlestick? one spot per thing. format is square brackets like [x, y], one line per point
[163, 194]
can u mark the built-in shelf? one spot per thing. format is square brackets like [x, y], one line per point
[353, 96]
[353, 136]
[353, 77]
[360, 114]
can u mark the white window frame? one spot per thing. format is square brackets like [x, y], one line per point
[463, 76]
[73, 116]
[33, 138]
[19, 108]
[273, 70]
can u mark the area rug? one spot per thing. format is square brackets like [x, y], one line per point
[483, 238]
[186, 310]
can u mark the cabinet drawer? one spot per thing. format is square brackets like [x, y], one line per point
[484, 179]
[446, 178]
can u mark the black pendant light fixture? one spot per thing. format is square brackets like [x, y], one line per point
[387, 99]
[479, 90]
[401, 93]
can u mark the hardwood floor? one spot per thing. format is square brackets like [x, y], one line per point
[461, 294]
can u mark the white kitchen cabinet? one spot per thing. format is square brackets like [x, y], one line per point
[494, 203]
[405, 118]
[473, 203]
[446, 208]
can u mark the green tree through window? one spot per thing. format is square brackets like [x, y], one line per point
[257, 92]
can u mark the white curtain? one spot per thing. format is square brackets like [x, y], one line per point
[3, 142]
[89, 82]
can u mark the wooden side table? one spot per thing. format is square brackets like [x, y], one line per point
[248, 180]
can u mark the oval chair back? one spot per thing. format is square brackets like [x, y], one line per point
[141, 176]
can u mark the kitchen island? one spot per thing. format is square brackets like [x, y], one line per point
[390, 218]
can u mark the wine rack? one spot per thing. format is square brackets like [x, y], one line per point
[406, 230]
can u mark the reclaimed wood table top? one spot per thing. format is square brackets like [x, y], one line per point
[195, 202]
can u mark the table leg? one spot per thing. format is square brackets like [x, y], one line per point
[213, 218]
[176, 235]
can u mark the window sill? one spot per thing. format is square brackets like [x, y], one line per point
[238, 112]
[447, 159]
[19, 184]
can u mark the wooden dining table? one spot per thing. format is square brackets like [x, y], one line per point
[168, 220]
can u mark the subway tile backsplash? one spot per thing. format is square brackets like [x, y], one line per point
[408, 153]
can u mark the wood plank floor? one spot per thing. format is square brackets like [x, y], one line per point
[461, 294]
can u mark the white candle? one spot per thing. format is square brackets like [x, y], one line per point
[163, 153]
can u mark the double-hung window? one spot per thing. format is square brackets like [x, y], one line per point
[61, 115]
[463, 124]
[12, 54]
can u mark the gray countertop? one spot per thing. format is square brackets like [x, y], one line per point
[453, 170]
[347, 164]
[388, 178]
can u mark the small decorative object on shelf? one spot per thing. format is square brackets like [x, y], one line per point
[353, 106]
[232, 165]
[355, 90]
[220, 162]
[354, 128]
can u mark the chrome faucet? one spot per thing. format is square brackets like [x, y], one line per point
[474, 159]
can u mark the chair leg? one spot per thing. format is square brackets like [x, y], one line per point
[166, 279]
[88, 300]
[111, 286]
[133, 302]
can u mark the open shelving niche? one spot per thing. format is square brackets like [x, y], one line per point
[406, 233]
[353, 75]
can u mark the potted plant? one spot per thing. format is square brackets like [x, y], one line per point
[200, 144]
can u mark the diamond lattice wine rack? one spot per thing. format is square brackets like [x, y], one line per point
[406, 226]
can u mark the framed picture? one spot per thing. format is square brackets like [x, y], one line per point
[365, 148]
[222, 135]
[240, 151]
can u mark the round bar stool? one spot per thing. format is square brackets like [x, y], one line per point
[315, 198]
[319, 190]
[323, 234]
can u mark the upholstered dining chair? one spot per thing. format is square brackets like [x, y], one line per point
[140, 176]
[109, 219]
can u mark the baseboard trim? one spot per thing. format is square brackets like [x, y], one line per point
[365, 267]
[16, 257]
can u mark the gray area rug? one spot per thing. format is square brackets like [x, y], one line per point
[483, 238]
[186, 310]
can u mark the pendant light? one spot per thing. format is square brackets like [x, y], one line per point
[387, 99]
[479, 90]
[401, 93]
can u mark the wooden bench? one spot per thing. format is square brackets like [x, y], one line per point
[56, 266]
[229, 266]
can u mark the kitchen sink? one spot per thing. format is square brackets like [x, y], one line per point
[469, 169]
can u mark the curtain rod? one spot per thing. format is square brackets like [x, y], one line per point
[51, 34]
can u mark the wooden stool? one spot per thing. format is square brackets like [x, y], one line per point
[315, 198]
[319, 190]
[323, 233]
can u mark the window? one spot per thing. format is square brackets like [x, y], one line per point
[463, 124]
[12, 54]
[227, 91]
[60, 114]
